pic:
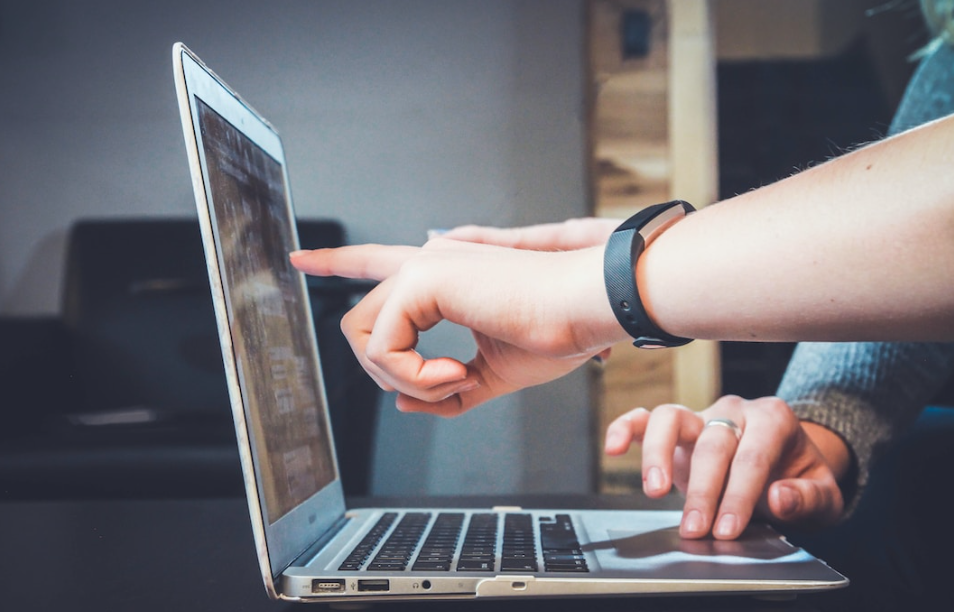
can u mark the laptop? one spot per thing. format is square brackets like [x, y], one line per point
[310, 546]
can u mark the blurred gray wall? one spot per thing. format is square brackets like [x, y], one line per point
[397, 117]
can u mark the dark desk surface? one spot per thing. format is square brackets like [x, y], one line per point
[184, 555]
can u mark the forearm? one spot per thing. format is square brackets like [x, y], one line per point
[858, 248]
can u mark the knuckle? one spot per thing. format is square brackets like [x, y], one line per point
[726, 402]
[434, 244]
[375, 354]
[780, 414]
[438, 244]
[346, 323]
[775, 406]
[669, 409]
[414, 269]
[636, 415]
[349, 329]
[731, 399]
[384, 386]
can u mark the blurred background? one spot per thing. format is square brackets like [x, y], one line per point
[399, 117]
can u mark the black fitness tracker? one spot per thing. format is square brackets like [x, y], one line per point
[625, 245]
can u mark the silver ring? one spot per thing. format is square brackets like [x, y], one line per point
[728, 424]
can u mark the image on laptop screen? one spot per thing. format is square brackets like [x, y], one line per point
[265, 303]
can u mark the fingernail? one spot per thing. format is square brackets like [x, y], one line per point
[692, 522]
[298, 252]
[787, 499]
[654, 480]
[727, 525]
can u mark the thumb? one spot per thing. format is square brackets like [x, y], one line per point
[805, 500]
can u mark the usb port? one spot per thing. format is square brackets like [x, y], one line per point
[327, 585]
[374, 585]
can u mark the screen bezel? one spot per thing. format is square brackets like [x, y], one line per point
[282, 541]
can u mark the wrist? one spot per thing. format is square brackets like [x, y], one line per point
[592, 322]
[622, 262]
[832, 447]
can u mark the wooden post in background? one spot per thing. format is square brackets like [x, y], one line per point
[652, 139]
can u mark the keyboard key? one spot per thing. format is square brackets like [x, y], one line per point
[475, 565]
[479, 550]
[519, 550]
[400, 545]
[517, 565]
[561, 547]
[437, 552]
[371, 539]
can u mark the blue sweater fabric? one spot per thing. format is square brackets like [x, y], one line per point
[868, 392]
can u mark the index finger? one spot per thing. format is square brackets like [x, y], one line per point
[566, 235]
[364, 261]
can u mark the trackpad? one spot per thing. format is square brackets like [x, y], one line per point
[647, 545]
[751, 546]
[661, 553]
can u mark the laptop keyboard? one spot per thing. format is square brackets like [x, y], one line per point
[437, 554]
[368, 543]
[519, 544]
[559, 546]
[479, 552]
[400, 545]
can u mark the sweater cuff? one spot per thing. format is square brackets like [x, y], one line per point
[833, 413]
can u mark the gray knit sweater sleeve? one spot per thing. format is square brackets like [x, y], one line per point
[868, 392]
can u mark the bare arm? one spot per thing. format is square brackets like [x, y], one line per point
[859, 248]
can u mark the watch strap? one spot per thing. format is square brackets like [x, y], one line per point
[623, 249]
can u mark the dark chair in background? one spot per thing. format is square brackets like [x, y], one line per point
[125, 394]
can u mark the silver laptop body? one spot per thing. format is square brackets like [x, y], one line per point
[310, 546]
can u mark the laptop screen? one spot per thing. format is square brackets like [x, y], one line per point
[267, 311]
